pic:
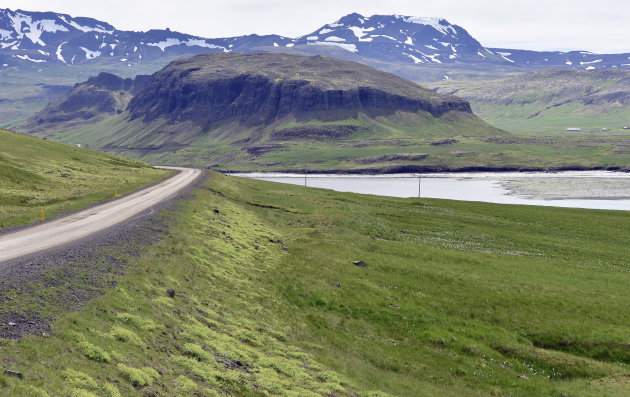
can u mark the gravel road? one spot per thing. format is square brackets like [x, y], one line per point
[81, 224]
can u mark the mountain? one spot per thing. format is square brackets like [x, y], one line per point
[400, 39]
[40, 39]
[98, 97]
[250, 108]
[550, 100]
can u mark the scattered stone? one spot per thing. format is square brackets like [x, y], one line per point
[11, 324]
[256, 247]
[272, 240]
[279, 241]
[290, 223]
[13, 373]
[338, 285]
[284, 248]
[203, 313]
[521, 376]
[360, 263]
[216, 211]
[170, 293]
[394, 307]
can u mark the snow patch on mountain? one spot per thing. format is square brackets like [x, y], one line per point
[27, 58]
[361, 32]
[591, 62]
[439, 24]
[74, 24]
[89, 54]
[34, 29]
[164, 44]
[58, 53]
[345, 46]
[415, 59]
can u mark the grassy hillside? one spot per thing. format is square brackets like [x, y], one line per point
[27, 91]
[383, 148]
[258, 129]
[263, 111]
[457, 299]
[35, 174]
[550, 101]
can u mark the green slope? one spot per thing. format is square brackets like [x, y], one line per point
[458, 299]
[265, 111]
[35, 174]
[550, 101]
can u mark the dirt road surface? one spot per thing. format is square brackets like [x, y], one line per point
[81, 224]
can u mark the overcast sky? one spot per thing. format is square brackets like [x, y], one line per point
[596, 25]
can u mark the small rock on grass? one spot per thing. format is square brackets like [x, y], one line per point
[284, 248]
[13, 373]
[523, 376]
[170, 293]
[360, 263]
[336, 284]
[216, 211]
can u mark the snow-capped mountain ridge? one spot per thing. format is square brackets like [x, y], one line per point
[399, 38]
[47, 38]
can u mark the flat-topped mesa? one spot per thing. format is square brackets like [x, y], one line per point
[259, 88]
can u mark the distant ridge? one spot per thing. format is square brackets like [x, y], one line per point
[41, 39]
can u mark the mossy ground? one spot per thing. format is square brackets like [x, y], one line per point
[458, 299]
[36, 174]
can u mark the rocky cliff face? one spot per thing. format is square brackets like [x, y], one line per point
[100, 95]
[260, 88]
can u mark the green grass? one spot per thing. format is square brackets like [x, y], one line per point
[547, 102]
[382, 136]
[36, 174]
[459, 298]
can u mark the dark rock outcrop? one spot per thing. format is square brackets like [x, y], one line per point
[261, 88]
[103, 94]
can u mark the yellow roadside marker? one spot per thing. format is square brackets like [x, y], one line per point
[115, 194]
[182, 192]
[43, 218]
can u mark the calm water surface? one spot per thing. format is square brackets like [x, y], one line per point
[584, 189]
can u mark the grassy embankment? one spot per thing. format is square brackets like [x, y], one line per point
[35, 173]
[458, 299]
